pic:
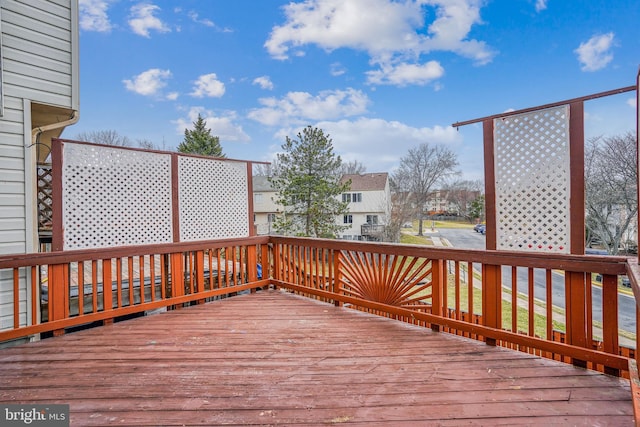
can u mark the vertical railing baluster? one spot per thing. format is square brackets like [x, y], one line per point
[16, 297]
[549, 302]
[531, 301]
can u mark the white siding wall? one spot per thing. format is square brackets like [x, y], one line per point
[373, 203]
[40, 65]
[263, 204]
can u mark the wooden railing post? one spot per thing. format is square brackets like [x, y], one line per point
[199, 274]
[265, 262]
[438, 282]
[610, 318]
[58, 294]
[276, 269]
[107, 293]
[576, 301]
[491, 298]
[177, 274]
[337, 277]
[252, 265]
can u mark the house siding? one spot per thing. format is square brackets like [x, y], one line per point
[39, 65]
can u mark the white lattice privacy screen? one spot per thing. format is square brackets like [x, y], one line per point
[213, 199]
[531, 155]
[115, 197]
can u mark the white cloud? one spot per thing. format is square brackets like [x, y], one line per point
[196, 18]
[143, 19]
[264, 82]
[222, 126]
[337, 69]
[391, 32]
[296, 107]
[632, 102]
[541, 5]
[378, 144]
[595, 53]
[172, 96]
[208, 86]
[406, 74]
[148, 83]
[93, 15]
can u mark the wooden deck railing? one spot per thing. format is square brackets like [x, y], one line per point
[59, 290]
[542, 304]
[550, 305]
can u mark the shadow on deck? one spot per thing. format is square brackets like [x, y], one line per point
[276, 358]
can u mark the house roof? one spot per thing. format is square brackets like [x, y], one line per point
[367, 181]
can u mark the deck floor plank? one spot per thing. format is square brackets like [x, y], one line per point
[275, 358]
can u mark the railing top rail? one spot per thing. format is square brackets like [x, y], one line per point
[23, 260]
[591, 263]
[545, 106]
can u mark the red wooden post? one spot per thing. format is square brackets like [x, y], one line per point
[177, 275]
[575, 282]
[275, 269]
[252, 265]
[610, 317]
[491, 298]
[337, 276]
[438, 283]
[575, 300]
[199, 273]
[107, 295]
[58, 294]
[264, 261]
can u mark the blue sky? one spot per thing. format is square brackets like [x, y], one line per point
[378, 76]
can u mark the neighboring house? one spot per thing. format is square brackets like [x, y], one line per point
[265, 208]
[369, 207]
[39, 97]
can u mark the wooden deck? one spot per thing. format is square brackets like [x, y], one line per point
[273, 358]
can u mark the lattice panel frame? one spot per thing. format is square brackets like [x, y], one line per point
[115, 197]
[213, 199]
[532, 181]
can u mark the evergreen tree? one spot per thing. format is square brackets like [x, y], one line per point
[200, 141]
[308, 186]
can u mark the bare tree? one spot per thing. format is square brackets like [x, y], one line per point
[611, 178]
[353, 168]
[271, 169]
[107, 137]
[461, 194]
[422, 168]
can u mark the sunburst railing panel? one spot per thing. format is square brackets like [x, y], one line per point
[397, 280]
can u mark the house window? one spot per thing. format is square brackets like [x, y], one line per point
[257, 197]
[372, 219]
[352, 197]
[348, 219]
[271, 217]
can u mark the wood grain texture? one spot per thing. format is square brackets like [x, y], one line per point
[275, 358]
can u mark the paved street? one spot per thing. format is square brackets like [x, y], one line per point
[467, 238]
